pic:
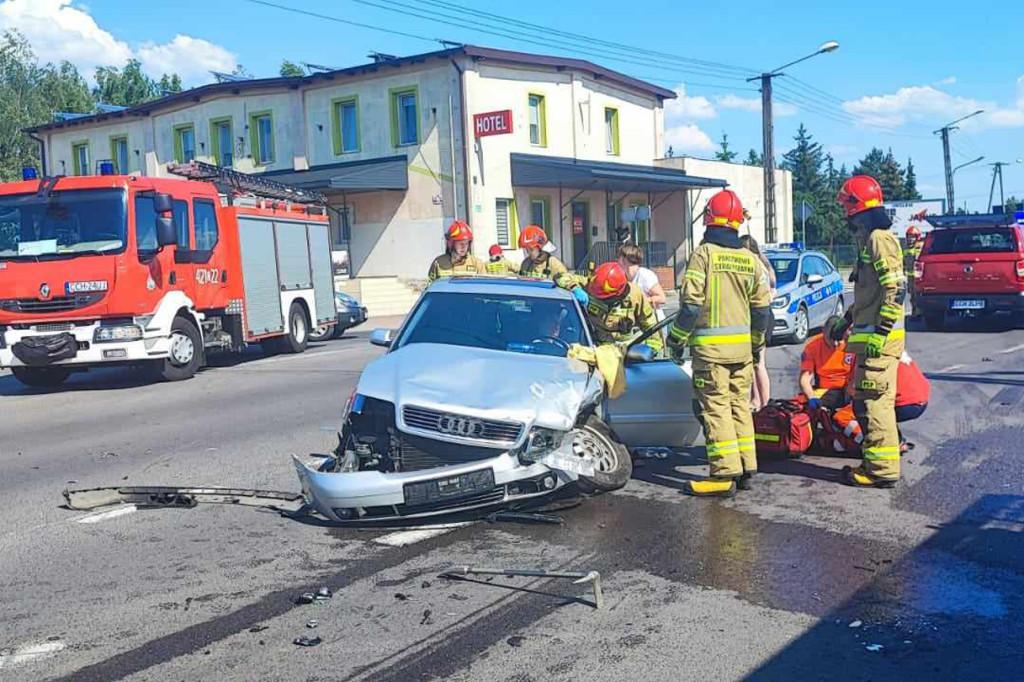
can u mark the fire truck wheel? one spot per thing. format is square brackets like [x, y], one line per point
[186, 353]
[298, 331]
[40, 377]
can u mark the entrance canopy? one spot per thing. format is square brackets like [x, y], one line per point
[370, 175]
[533, 170]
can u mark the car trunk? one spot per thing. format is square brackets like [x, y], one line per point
[976, 261]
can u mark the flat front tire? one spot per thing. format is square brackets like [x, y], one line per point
[614, 466]
[185, 355]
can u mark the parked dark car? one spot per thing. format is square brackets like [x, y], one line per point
[350, 314]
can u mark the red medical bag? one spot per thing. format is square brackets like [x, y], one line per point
[782, 429]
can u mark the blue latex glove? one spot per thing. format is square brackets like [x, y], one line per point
[581, 295]
[814, 403]
[874, 345]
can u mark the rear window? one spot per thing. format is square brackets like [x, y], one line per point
[979, 240]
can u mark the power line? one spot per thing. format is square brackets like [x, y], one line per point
[317, 15]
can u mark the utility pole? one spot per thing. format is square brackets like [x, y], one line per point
[768, 133]
[944, 132]
[997, 170]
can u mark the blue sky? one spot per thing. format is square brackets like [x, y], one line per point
[903, 69]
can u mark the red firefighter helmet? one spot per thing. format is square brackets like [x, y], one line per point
[532, 236]
[608, 281]
[495, 250]
[724, 210]
[860, 193]
[913, 234]
[458, 231]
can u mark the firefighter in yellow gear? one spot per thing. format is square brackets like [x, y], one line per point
[457, 258]
[877, 335]
[914, 245]
[616, 307]
[723, 316]
[496, 263]
[538, 261]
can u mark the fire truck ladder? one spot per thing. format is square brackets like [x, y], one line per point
[244, 183]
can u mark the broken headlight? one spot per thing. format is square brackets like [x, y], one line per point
[541, 441]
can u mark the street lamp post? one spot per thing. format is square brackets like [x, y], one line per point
[944, 132]
[768, 135]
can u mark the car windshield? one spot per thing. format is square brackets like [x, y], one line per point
[506, 322]
[64, 223]
[980, 240]
[785, 269]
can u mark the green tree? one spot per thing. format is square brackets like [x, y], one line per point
[242, 72]
[897, 184]
[753, 159]
[816, 182]
[724, 154]
[910, 182]
[291, 69]
[124, 87]
[1010, 206]
[169, 83]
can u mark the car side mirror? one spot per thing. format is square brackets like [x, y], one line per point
[166, 235]
[382, 337]
[163, 203]
[813, 279]
[638, 353]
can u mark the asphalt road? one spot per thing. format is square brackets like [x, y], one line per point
[801, 578]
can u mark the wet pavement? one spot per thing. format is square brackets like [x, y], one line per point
[801, 578]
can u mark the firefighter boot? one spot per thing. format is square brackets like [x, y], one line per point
[858, 479]
[711, 487]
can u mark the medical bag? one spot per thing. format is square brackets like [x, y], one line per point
[782, 429]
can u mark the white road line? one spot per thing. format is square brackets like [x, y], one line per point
[410, 537]
[1013, 349]
[105, 515]
[951, 368]
[28, 653]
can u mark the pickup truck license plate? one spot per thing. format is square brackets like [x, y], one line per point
[449, 487]
[968, 304]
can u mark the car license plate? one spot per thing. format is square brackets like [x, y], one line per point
[449, 487]
[968, 304]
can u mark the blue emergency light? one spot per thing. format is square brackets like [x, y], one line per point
[29, 173]
[1018, 216]
[106, 167]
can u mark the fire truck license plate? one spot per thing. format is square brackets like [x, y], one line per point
[968, 304]
[448, 488]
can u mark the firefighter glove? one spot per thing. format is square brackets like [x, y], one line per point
[874, 345]
[581, 295]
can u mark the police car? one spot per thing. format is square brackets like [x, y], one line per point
[808, 290]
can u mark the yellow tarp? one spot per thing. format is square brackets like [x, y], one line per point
[609, 359]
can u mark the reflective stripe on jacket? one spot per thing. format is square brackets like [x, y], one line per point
[443, 266]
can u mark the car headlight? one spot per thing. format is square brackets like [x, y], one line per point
[540, 442]
[781, 301]
[122, 332]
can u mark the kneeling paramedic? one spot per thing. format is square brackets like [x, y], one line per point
[826, 367]
[724, 315]
[457, 258]
[877, 335]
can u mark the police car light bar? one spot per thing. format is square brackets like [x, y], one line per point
[785, 246]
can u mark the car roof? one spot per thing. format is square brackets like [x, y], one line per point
[522, 286]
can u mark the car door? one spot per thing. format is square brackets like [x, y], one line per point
[657, 408]
[814, 293]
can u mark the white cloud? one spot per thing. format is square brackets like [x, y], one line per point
[64, 29]
[1012, 117]
[688, 137]
[753, 105]
[949, 80]
[684, 107]
[912, 103]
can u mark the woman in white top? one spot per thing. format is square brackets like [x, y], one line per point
[630, 258]
[761, 390]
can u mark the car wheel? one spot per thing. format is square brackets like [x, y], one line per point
[613, 465]
[840, 308]
[297, 338]
[801, 326]
[40, 377]
[322, 332]
[934, 322]
[185, 355]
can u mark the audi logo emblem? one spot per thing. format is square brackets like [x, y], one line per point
[460, 426]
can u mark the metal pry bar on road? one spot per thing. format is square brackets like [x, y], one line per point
[175, 496]
[577, 577]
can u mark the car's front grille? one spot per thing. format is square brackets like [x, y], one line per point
[460, 425]
[55, 327]
[417, 453]
[57, 304]
[494, 496]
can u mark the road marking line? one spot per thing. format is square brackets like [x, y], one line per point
[951, 368]
[1013, 349]
[104, 515]
[409, 537]
[28, 653]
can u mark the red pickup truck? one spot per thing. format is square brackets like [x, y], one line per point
[971, 271]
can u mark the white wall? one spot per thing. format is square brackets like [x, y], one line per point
[59, 144]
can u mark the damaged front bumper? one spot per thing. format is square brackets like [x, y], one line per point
[373, 495]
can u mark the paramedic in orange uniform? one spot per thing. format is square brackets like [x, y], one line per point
[825, 369]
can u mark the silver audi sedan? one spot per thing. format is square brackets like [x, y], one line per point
[475, 404]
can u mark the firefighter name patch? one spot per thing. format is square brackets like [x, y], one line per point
[735, 263]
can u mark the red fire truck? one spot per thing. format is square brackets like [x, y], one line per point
[116, 269]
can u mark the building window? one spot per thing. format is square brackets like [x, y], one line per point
[80, 158]
[261, 133]
[341, 227]
[404, 117]
[206, 224]
[346, 125]
[184, 143]
[119, 153]
[538, 121]
[504, 220]
[540, 212]
[611, 131]
[222, 142]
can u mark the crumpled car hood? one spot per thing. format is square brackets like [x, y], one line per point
[533, 389]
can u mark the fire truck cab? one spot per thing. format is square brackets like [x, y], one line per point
[107, 269]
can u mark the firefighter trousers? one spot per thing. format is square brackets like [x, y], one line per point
[874, 404]
[722, 403]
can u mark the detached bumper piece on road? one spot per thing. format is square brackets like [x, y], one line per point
[174, 496]
[41, 351]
